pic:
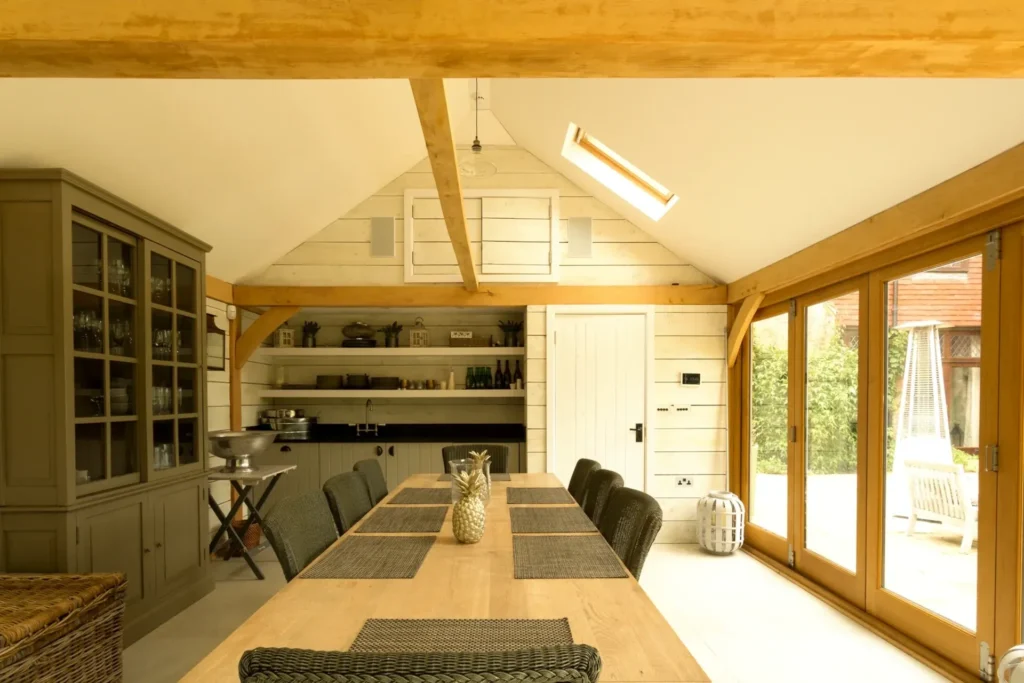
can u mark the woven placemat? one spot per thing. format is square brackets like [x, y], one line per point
[420, 520]
[538, 496]
[422, 497]
[565, 557]
[567, 520]
[460, 635]
[372, 557]
[495, 476]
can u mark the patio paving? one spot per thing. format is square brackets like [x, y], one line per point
[926, 568]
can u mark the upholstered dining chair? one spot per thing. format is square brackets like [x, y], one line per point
[348, 497]
[498, 453]
[564, 663]
[299, 528]
[577, 483]
[596, 492]
[376, 484]
[631, 521]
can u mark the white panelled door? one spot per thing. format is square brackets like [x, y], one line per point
[599, 393]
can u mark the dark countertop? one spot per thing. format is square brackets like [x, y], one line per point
[414, 433]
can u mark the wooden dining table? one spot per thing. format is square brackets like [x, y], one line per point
[476, 581]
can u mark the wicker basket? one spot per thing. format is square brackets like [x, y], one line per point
[61, 628]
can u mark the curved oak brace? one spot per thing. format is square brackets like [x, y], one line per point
[739, 326]
[261, 328]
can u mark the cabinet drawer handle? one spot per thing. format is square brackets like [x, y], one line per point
[380, 451]
[286, 449]
[391, 451]
[145, 550]
[159, 545]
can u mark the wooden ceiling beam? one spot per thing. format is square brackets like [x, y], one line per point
[499, 296]
[511, 38]
[219, 289]
[260, 329]
[432, 108]
[974, 198]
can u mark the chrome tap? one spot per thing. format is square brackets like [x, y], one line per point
[367, 427]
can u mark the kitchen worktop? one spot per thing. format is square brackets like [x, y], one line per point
[414, 433]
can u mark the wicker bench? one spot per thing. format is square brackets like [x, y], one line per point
[559, 664]
[61, 628]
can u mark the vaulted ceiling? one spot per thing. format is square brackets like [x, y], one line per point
[762, 167]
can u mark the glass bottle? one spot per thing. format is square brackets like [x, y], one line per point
[470, 379]
[499, 377]
[507, 378]
[517, 378]
[488, 380]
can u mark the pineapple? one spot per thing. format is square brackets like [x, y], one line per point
[480, 463]
[469, 514]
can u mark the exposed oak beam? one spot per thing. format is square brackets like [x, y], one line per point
[437, 132]
[740, 325]
[510, 38]
[974, 194]
[219, 290]
[452, 295]
[261, 328]
[234, 376]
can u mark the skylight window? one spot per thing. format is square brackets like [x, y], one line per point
[617, 174]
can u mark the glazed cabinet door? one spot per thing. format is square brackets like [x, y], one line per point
[118, 537]
[179, 522]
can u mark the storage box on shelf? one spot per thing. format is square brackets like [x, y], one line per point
[103, 358]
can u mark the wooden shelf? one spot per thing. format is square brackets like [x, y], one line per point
[397, 393]
[448, 351]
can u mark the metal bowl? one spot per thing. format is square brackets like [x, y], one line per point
[238, 447]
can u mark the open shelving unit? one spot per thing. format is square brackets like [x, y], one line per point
[393, 393]
[281, 354]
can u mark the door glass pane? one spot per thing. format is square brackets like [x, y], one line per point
[122, 389]
[186, 339]
[89, 388]
[185, 284]
[86, 256]
[830, 429]
[120, 273]
[122, 328]
[87, 322]
[163, 380]
[163, 444]
[123, 448]
[90, 452]
[187, 451]
[160, 280]
[186, 390]
[933, 401]
[161, 335]
[769, 423]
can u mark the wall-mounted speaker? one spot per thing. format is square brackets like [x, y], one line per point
[580, 237]
[382, 237]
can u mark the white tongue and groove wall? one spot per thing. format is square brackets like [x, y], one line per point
[687, 338]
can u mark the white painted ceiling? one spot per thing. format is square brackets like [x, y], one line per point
[762, 167]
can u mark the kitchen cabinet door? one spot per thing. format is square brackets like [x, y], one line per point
[179, 553]
[516, 454]
[118, 537]
[305, 477]
[405, 459]
[336, 458]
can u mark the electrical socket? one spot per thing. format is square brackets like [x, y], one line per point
[684, 481]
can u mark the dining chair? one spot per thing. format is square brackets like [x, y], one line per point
[498, 453]
[563, 663]
[299, 528]
[376, 484]
[596, 492]
[578, 482]
[349, 498]
[630, 524]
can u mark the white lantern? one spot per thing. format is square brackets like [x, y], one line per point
[284, 338]
[419, 336]
[720, 520]
[1011, 666]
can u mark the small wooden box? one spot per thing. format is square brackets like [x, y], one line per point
[463, 339]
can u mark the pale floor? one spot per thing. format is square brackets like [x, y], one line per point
[926, 568]
[741, 620]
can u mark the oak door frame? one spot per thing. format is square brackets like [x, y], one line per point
[551, 422]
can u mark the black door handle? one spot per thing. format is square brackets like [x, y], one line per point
[391, 451]
[286, 449]
[639, 429]
[380, 451]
